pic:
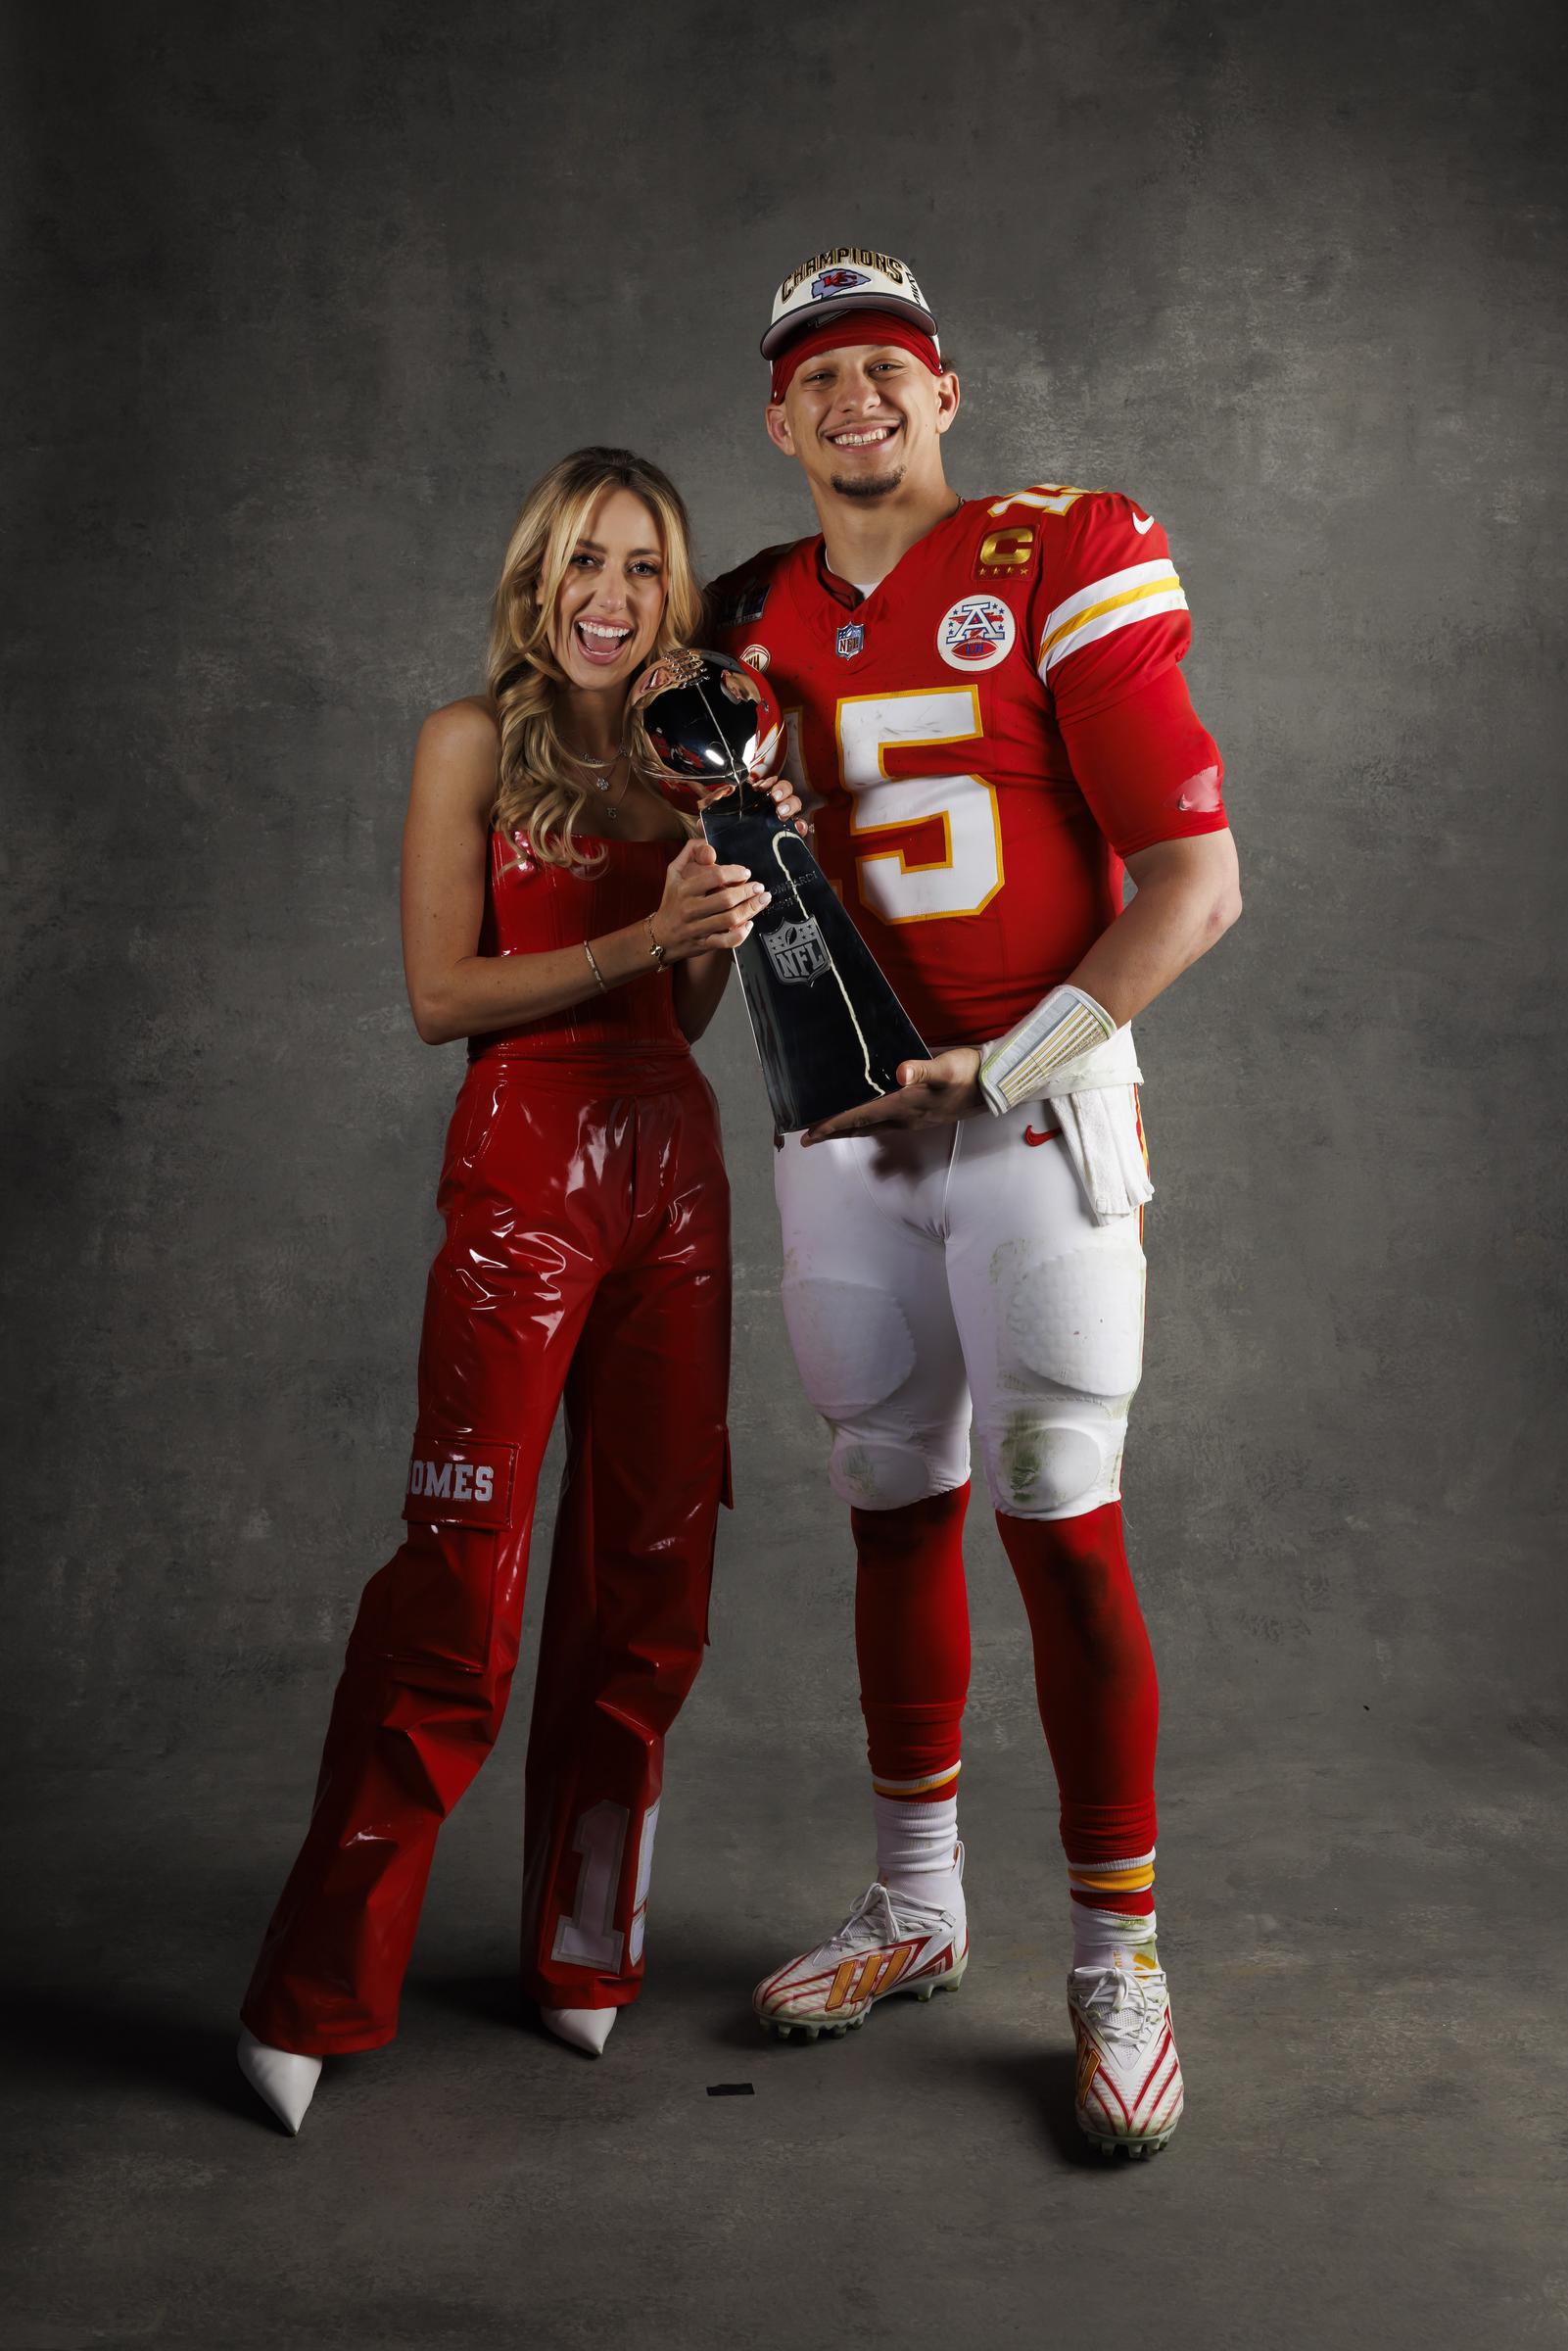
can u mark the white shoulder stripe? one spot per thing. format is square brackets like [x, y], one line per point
[1104, 619]
[1103, 624]
[1115, 583]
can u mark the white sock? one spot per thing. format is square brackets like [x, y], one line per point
[1100, 1927]
[917, 1851]
[1110, 1938]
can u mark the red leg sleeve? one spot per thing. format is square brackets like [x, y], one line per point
[1094, 1675]
[911, 1640]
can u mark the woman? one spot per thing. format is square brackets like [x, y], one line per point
[556, 913]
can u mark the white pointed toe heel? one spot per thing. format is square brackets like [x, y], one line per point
[586, 2029]
[285, 2080]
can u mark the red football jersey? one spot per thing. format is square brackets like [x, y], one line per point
[951, 734]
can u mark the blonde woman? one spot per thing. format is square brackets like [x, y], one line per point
[555, 913]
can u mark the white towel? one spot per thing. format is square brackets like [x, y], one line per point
[1100, 1134]
[1094, 1099]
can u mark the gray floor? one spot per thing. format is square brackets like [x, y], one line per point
[1368, 1990]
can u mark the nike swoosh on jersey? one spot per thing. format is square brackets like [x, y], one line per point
[1029, 1135]
[1142, 523]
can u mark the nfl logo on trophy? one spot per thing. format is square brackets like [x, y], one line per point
[796, 950]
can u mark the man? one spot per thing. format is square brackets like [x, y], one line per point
[987, 714]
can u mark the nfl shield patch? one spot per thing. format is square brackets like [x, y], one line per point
[851, 637]
[797, 951]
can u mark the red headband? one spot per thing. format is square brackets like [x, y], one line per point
[846, 332]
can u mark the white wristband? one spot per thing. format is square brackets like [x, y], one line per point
[1063, 1026]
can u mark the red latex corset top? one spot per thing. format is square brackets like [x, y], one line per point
[531, 906]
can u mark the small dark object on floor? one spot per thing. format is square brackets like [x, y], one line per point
[731, 2089]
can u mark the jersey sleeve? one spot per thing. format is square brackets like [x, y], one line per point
[1148, 767]
[1107, 615]
[1110, 625]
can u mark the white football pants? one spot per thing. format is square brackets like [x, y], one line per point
[927, 1268]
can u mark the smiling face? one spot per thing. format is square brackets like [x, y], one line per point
[865, 422]
[611, 598]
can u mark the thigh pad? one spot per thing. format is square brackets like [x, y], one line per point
[852, 1344]
[1071, 1323]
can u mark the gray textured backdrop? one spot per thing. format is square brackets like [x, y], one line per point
[308, 297]
[311, 309]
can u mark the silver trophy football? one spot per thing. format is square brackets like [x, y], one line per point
[830, 1031]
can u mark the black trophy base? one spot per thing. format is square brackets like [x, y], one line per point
[830, 1030]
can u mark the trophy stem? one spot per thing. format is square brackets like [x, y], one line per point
[829, 1031]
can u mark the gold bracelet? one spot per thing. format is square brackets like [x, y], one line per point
[654, 949]
[592, 965]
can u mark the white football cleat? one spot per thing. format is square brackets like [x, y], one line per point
[282, 2078]
[1130, 2090]
[586, 2029]
[887, 1944]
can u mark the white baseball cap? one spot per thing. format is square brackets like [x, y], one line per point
[847, 278]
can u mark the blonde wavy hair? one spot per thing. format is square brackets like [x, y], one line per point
[539, 789]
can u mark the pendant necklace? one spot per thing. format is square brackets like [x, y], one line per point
[601, 782]
[612, 808]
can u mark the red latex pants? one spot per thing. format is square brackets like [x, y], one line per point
[587, 1254]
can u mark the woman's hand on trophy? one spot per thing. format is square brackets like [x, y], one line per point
[705, 904]
[930, 1094]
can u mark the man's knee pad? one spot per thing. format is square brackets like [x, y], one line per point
[886, 1472]
[851, 1344]
[1041, 1465]
[856, 1358]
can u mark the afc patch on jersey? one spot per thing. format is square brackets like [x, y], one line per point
[743, 604]
[976, 633]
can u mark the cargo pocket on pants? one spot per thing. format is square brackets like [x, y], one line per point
[434, 1602]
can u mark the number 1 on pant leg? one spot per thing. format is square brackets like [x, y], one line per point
[589, 1937]
[644, 1875]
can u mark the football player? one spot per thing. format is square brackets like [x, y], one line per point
[988, 717]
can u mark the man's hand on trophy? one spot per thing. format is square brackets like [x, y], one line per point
[705, 904]
[930, 1094]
